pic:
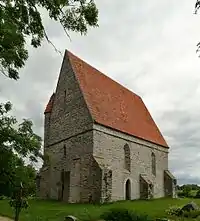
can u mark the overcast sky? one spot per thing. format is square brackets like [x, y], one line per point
[149, 47]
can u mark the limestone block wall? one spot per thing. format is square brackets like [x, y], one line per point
[43, 190]
[70, 115]
[106, 188]
[85, 173]
[109, 151]
[70, 125]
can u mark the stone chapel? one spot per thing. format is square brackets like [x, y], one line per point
[101, 141]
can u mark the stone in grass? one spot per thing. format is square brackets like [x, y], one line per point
[190, 206]
[70, 218]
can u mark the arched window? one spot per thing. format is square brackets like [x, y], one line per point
[64, 151]
[153, 164]
[127, 157]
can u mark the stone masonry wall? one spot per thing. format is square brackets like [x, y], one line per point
[70, 115]
[85, 173]
[43, 190]
[109, 150]
[106, 190]
[69, 124]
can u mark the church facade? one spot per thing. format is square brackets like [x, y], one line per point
[101, 141]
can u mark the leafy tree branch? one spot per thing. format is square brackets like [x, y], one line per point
[21, 18]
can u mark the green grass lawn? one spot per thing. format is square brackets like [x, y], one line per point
[56, 211]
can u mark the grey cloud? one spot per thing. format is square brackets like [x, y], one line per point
[30, 94]
[184, 131]
[188, 180]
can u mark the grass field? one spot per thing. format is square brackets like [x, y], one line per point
[56, 211]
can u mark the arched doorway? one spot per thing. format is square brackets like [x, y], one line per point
[128, 189]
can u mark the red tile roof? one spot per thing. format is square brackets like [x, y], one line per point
[50, 104]
[113, 105]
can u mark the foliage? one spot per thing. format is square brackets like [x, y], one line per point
[21, 20]
[186, 191]
[27, 175]
[190, 186]
[2, 197]
[174, 211]
[23, 203]
[17, 141]
[119, 214]
[21, 173]
[18, 202]
[180, 194]
[197, 194]
[197, 7]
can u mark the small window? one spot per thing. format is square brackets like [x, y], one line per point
[127, 157]
[65, 96]
[64, 151]
[153, 163]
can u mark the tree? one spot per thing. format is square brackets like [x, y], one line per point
[197, 194]
[20, 19]
[197, 7]
[17, 141]
[20, 173]
[186, 190]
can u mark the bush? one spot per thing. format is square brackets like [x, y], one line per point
[3, 197]
[174, 211]
[185, 194]
[197, 194]
[119, 214]
[181, 194]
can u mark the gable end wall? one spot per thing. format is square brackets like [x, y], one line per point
[70, 114]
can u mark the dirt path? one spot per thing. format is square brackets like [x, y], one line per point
[4, 219]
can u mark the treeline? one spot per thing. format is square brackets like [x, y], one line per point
[188, 186]
[189, 190]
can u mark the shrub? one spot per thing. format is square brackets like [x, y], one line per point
[174, 211]
[197, 194]
[181, 194]
[187, 194]
[187, 191]
[3, 197]
[119, 214]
